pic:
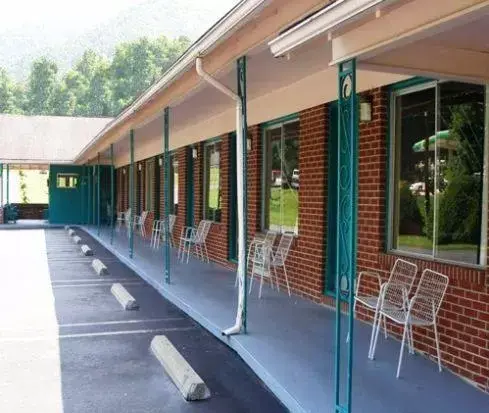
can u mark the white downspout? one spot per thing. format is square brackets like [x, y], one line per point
[236, 329]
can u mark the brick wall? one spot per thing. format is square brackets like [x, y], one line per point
[464, 317]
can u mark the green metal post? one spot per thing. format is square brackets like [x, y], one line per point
[166, 154]
[93, 194]
[8, 183]
[112, 209]
[131, 194]
[89, 194]
[346, 239]
[98, 193]
[1, 183]
[241, 80]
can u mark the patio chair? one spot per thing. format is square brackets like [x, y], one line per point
[269, 239]
[128, 219]
[265, 259]
[139, 223]
[421, 310]
[122, 217]
[194, 238]
[260, 264]
[156, 233]
[171, 224]
[403, 273]
[280, 256]
[159, 231]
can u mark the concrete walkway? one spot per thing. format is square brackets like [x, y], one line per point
[290, 341]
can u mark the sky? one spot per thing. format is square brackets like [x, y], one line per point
[68, 16]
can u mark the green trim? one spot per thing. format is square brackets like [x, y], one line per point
[98, 193]
[232, 205]
[277, 121]
[414, 81]
[189, 186]
[211, 141]
[8, 183]
[388, 170]
[1, 184]
[112, 209]
[157, 187]
[131, 193]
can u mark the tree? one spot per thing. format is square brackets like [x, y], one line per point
[42, 87]
[8, 94]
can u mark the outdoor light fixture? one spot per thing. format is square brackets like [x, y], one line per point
[139, 167]
[160, 161]
[194, 153]
[248, 144]
[365, 110]
[123, 171]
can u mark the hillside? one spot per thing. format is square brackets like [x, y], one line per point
[171, 18]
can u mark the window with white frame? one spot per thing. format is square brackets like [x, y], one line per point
[438, 205]
[212, 181]
[281, 177]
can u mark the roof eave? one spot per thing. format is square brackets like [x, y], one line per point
[222, 29]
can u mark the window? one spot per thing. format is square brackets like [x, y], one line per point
[212, 181]
[174, 184]
[281, 175]
[437, 164]
[67, 181]
[149, 185]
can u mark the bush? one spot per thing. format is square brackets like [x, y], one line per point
[459, 211]
[410, 218]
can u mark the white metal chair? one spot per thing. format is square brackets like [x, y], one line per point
[402, 273]
[128, 219]
[269, 239]
[121, 219]
[260, 264]
[156, 233]
[139, 223]
[280, 256]
[421, 310]
[194, 238]
[171, 224]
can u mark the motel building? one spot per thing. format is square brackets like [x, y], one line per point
[356, 132]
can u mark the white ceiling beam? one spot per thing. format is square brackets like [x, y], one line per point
[325, 20]
[433, 61]
[413, 21]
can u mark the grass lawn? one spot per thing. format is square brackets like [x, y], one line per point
[290, 199]
[419, 241]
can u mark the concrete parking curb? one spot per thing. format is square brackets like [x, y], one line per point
[99, 267]
[180, 371]
[126, 300]
[76, 239]
[71, 232]
[86, 250]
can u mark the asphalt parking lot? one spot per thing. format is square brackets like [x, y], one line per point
[100, 354]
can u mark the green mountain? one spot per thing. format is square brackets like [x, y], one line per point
[172, 18]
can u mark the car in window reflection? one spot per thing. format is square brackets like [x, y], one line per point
[417, 188]
[295, 179]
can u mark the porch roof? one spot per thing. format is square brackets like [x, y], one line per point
[41, 140]
[290, 341]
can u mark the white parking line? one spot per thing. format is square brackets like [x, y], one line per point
[101, 334]
[101, 284]
[103, 323]
[93, 279]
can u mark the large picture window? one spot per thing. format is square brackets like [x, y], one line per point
[281, 186]
[437, 182]
[212, 181]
